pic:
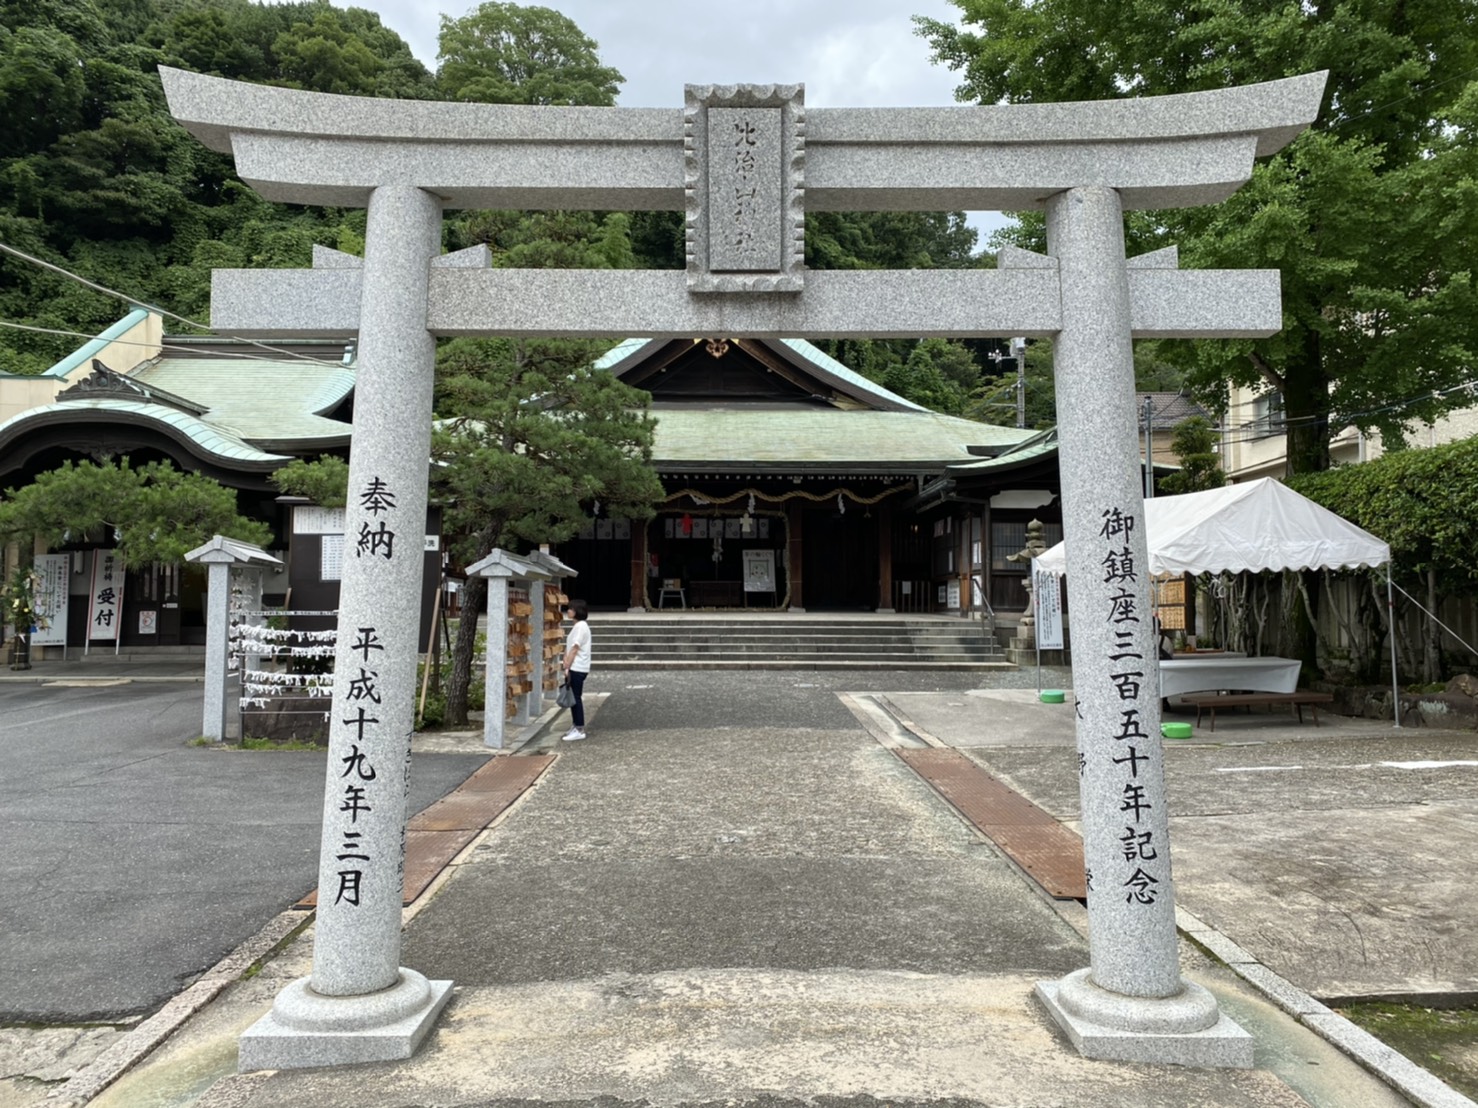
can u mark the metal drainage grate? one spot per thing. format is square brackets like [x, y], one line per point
[1048, 852]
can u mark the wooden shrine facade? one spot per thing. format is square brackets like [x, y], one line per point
[793, 483]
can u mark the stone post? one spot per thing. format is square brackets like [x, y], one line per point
[1131, 1003]
[359, 1004]
[495, 696]
[217, 647]
[219, 556]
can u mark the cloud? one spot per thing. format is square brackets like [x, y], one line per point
[853, 53]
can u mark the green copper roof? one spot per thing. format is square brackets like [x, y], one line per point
[1036, 444]
[91, 349]
[818, 436]
[274, 403]
[207, 440]
[829, 365]
[620, 352]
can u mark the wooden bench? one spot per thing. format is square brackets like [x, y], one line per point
[1296, 700]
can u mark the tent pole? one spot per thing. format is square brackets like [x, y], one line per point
[1391, 619]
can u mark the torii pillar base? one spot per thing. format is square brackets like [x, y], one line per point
[1183, 1030]
[306, 1029]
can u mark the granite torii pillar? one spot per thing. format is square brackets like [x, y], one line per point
[1084, 164]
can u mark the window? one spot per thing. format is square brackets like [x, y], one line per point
[1267, 415]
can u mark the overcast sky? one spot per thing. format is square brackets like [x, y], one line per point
[848, 53]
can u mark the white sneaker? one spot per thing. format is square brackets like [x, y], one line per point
[574, 734]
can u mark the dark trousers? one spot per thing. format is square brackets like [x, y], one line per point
[577, 686]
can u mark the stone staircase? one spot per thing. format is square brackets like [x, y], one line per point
[716, 641]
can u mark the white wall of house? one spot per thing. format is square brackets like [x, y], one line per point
[136, 338]
[1253, 446]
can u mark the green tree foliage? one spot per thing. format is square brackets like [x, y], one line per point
[1421, 502]
[536, 440]
[324, 481]
[1195, 444]
[97, 178]
[512, 54]
[994, 400]
[937, 373]
[157, 513]
[1370, 215]
[890, 240]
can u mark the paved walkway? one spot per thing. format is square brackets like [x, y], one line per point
[734, 891]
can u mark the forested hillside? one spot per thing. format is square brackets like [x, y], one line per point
[97, 178]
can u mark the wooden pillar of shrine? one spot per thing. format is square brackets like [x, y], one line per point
[638, 566]
[795, 527]
[885, 558]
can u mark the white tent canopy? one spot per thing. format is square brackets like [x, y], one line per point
[1259, 525]
[1262, 524]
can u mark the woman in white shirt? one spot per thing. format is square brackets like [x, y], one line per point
[577, 664]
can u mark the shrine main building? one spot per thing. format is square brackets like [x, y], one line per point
[794, 483]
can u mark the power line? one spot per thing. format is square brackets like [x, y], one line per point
[1396, 103]
[154, 345]
[137, 303]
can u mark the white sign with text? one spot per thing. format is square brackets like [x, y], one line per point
[1047, 591]
[51, 599]
[105, 602]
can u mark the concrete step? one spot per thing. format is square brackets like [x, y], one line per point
[673, 641]
[130, 655]
[799, 665]
[803, 644]
[609, 634]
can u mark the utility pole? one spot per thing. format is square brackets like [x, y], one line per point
[1149, 448]
[1017, 354]
[1018, 350]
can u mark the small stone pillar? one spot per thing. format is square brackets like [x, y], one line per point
[220, 556]
[501, 568]
[1131, 1003]
[555, 571]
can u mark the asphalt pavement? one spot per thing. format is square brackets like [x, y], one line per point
[734, 891]
[133, 860]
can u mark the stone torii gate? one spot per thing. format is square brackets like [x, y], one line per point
[745, 163]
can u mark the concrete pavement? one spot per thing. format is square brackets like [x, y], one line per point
[734, 891]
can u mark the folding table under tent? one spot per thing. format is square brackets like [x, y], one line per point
[1256, 526]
